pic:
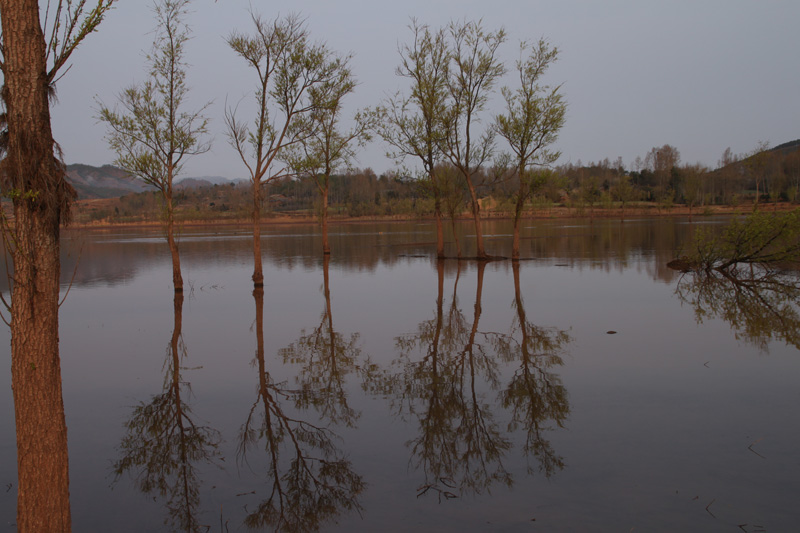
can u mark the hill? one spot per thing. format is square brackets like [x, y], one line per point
[107, 181]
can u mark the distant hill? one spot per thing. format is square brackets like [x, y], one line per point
[107, 181]
[211, 180]
[193, 183]
[786, 148]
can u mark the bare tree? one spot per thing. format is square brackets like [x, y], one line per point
[293, 74]
[534, 115]
[34, 55]
[154, 134]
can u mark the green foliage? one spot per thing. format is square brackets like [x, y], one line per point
[534, 114]
[767, 238]
[153, 134]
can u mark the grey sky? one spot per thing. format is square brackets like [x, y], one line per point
[698, 74]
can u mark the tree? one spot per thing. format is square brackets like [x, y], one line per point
[324, 148]
[755, 164]
[474, 69]
[759, 238]
[451, 189]
[693, 181]
[624, 192]
[33, 177]
[412, 124]
[534, 115]
[154, 134]
[295, 77]
[661, 162]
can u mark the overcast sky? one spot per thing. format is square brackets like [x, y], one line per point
[700, 75]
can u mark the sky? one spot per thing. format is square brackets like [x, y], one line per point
[701, 75]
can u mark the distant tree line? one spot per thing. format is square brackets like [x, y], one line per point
[658, 180]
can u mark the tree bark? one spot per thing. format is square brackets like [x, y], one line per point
[258, 270]
[177, 278]
[41, 196]
[455, 236]
[437, 212]
[517, 219]
[326, 246]
[476, 216]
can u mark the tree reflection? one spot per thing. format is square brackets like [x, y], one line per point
[534, 395]
[163, 443]
[758, 302]
[326, 357]
[460, 446]
[310, 481]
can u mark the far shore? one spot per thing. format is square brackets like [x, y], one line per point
[543, 214]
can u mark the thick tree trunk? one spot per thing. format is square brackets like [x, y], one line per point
[326, 246]
[35, 177]
[258, 270]
[42, 460]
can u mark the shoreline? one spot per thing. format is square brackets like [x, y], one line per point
[650, 211]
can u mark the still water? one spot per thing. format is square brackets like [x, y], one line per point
[588, 389]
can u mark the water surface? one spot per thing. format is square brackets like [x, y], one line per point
[386, 391]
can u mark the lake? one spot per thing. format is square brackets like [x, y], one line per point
[587, 388]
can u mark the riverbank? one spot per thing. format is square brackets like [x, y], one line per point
[84, 208]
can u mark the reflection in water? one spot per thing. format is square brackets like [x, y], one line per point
[534, 394]
[309, 479]
[119, 255]
[163, 442]
[460, 446]
[759, 303]
[327, 357]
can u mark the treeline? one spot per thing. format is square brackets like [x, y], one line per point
[658, 180]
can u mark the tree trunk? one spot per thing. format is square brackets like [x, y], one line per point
[36, 178]
[455, 236]
[517, 218]
[42, 460]
[437, 213]
[177, 278]
[258, 270]
[326, 247]
[476, 216]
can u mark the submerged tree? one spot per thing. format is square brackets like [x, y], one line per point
[324, 147]
[412, 124]
[295, 79]
[758, 238]
[309, 480]
[163, 442]
[34, 53]
[534, 115]
[154, 134]
[474, 70]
